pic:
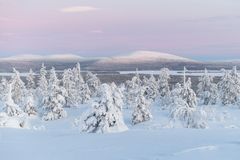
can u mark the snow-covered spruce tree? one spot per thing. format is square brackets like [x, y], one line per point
[55, 99]
[80, 89]
[179, 109]
[229, 87]
[77, 90]
[151, 88]
[176, 91]
[69, 85]
[207, 89]
[183, 106]
[42, 85]
[163, 82]
[236, 78]
[163, 88]
[137, 78]
[145, 80]
[106, 115]
[131, 88]
[18, 88]
[117, 96]
[29, 105]
[85, 93]
[30, 80]
[78, 79]
[10, 107]
[3, 89]
[188, 94]
[141, 111]
[93, 82]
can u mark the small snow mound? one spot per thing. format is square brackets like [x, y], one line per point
[39, 128]
[231, 127]
[13, 122]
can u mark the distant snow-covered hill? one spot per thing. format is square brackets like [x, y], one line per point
[143, 60]
[145, 56]
[32, 57]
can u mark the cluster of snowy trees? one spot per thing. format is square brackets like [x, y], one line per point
[181, 101]
[48, 94]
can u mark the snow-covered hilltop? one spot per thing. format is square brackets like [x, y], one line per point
[146, 56]
[34, 57]
[143, 60]
[138, 56]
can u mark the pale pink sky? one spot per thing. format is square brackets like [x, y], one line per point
[206, 29]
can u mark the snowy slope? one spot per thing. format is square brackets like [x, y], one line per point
[145, 56]
[153, 140]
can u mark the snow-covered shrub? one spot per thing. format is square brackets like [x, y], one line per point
[55, 99]
[207, 90]
[106, 114]
[141, 111]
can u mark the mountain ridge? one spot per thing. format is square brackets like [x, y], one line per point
[35, 57]
[145, 56]
[137, 56]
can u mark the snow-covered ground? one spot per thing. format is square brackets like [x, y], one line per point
[153, 140]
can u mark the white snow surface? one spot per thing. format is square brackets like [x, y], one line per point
[157, 139]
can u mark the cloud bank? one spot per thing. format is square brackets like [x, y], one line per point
[77, 9]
